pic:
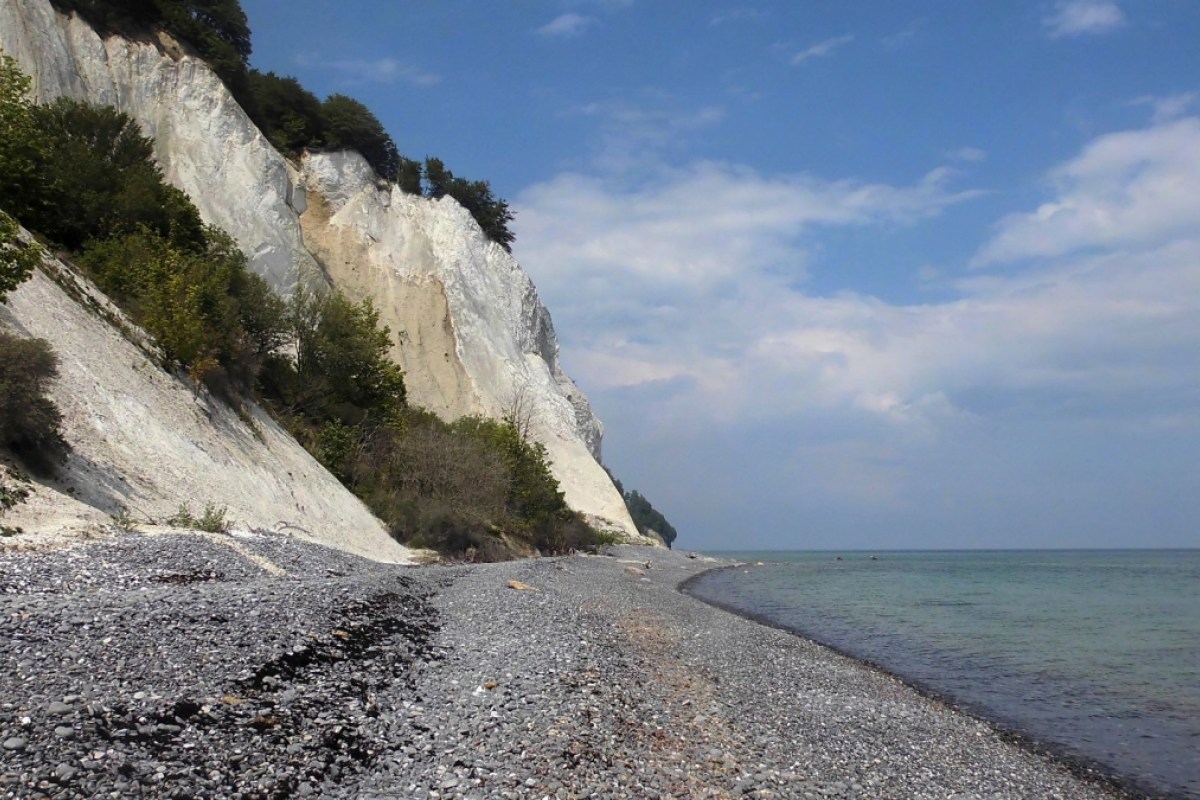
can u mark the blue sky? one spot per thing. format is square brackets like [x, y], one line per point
[835, 275]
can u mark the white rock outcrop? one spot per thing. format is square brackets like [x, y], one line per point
[470, 331]
[144, 443]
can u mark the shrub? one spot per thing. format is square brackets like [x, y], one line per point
[11, 495]
[645, 516]
[30, 423]
[287, 113]
[99, 179]
[211, 521]
[343, 371]
[21, 145]
[17, 258]
[351, 125]
[204, 308]
[492, 213]
[533, 495]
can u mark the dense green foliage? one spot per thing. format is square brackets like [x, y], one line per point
[340, 374]
[645, 516]
[349, 125]
[88, 183]
[204, 308]
[74, 172]
[21, 146]
[458, 488]
[216, 29]
[532, 494]
[464, 487]
[648, 518]
[287, 113]
[294, 119]
[17, 258]
[29, 421]
[98, 178]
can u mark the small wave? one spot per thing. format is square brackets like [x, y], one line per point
[945, 603]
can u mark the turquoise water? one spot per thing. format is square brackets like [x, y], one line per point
[1094, 653]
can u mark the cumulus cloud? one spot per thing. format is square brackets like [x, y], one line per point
[685, 304]
[1126, 189]
[1084, 18]
[567, 26]
[692, 228]
[694, 282]
[821, 49]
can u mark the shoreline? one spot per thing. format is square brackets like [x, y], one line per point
[1088, 770]
[177, 666]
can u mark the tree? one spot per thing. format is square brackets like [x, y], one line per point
[30, 423]
[17, 258]
[349, 125]
[534, 496]
[205, 309]
[409, 179]
[288, 114]
[98, 177]
[647, 518]
[21, 146]
[342, 363]
[491, 213]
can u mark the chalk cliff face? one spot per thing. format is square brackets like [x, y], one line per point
[144, 443]
[468, 327]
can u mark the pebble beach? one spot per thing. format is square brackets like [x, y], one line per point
[260, 666]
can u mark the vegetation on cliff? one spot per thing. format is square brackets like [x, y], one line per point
[91, 189]
[648, 519]
[30, 423]
[288, 114]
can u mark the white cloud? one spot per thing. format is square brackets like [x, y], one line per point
[901, 38]
[688, 230]
[969, 155]
[1052, 401]
[694, 282]
[1084, 17]
[605, 5]
[1126, 189]
[567, 26]
[380, 70]
[1169, 108]
[737, 14]
[821, 49]
[633, 136]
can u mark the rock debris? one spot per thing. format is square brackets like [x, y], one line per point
[173, 667]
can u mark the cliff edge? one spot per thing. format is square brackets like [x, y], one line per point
[467, 325]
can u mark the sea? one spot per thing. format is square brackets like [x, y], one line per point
[1091, 655]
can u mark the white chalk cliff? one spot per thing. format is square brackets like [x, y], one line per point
[144, 443]
[468, 327]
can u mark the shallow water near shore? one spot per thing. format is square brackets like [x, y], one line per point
[1095, 653]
